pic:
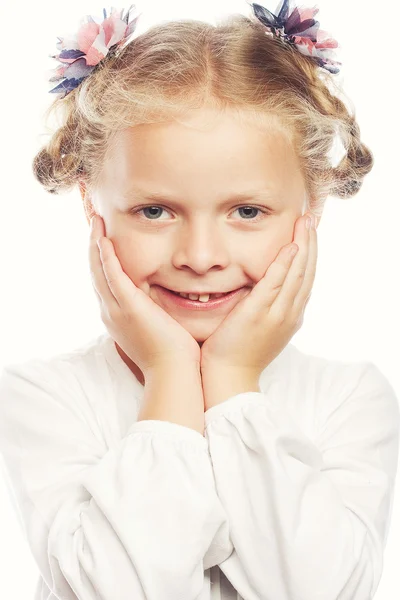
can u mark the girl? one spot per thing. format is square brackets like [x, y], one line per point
[192, 451]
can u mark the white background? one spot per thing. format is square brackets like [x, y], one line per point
[48, 304]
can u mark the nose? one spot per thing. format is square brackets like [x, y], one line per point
[202, 248]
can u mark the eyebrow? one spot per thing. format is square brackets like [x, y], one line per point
[262, 195]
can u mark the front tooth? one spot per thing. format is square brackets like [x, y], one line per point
[201, 298]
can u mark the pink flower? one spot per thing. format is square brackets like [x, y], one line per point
[92, 43]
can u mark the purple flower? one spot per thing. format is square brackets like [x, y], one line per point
[297, 26]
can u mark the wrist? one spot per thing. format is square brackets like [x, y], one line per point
[173, 368]
[225, 372]
[173, 392]
[224, 383]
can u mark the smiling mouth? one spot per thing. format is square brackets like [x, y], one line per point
[202, 302]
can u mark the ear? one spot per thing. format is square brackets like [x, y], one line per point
[321, 206]
[87, 204]
[321, 210]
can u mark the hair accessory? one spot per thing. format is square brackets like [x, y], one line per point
[94, 41]
[298, 27]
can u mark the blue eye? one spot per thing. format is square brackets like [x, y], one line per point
[264, 212]
[138, 211]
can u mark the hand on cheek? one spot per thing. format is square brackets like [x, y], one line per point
[264, 321]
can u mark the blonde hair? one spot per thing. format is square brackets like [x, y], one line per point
[178, 66]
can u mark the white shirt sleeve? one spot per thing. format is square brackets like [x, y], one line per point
[139, 520]
[308, 518]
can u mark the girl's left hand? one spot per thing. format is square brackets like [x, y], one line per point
[260, 326]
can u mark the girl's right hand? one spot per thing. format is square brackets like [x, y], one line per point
[144, 331]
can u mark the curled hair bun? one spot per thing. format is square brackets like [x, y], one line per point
[356, 164]
[58, 165]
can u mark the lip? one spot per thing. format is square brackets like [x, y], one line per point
[172, 300]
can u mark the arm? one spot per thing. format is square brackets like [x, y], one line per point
[309, 517]
[174, 394]
[137, 516]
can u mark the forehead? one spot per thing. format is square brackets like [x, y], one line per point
[204, 154]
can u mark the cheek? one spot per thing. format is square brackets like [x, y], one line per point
[138, 265]
[263, 254]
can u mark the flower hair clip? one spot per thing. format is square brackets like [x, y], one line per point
[298, 27]
[94, 41]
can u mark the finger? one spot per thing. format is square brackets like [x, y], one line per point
[99, 281]
[121, 286]
[295, 278]
[267, 289]
[305, 291]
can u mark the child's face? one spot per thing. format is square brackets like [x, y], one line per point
[200, 241]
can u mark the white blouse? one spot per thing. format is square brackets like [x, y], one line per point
[287, 496]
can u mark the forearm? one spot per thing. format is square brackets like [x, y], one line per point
[221, 384]
[174, 393]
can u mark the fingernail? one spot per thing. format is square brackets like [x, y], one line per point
[308, 223]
